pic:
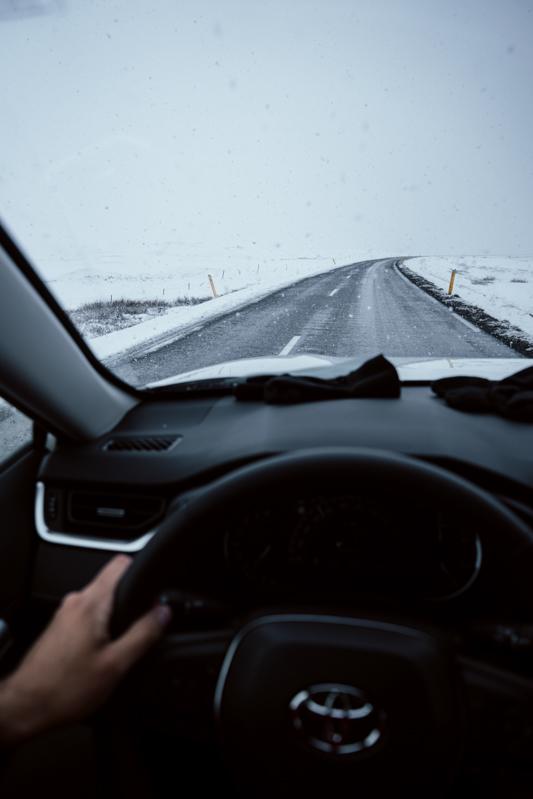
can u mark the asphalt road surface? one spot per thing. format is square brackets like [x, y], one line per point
[362, 309]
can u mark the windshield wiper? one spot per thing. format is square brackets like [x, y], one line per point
[376, 378]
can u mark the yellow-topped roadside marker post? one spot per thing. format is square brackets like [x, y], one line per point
[452, 281]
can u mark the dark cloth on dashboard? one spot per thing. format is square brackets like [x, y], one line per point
[511, 397]
[375, 378]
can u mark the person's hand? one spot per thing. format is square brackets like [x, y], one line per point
[74, 666]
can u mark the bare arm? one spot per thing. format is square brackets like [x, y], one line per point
[74, 666]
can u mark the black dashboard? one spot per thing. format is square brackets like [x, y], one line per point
[112, 493]
[214, 434]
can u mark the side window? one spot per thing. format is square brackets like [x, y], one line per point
[15, 429]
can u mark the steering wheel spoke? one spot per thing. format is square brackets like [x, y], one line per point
[174, 687]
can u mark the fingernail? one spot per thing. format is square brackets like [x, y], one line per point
[164, 614]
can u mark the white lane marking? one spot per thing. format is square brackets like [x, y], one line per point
[290, 345]
[434, 299]
[331, 293]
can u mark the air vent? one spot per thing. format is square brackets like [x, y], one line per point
[121, 514]
[137, 444]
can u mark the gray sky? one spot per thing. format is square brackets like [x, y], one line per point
[294, 126]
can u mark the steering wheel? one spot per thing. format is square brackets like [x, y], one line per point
[307, 701]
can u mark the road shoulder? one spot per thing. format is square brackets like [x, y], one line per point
[508, 334]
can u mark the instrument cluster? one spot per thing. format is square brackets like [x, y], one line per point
[353, 544]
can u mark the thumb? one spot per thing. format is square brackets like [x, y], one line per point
[140, 636]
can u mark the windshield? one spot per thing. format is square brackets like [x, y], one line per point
[204, 183]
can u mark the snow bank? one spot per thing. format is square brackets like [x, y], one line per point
[501, 285]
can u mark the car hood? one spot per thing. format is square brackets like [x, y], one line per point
[325, 366]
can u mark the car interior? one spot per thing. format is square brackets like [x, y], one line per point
[351, 580]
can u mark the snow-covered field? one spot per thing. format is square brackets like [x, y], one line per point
[239, 282]
[189, 279]
[500, 286]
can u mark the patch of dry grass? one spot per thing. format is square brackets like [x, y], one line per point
[97, 318]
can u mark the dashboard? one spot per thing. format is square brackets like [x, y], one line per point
[112, 494]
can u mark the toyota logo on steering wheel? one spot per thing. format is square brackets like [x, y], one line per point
[336, 719]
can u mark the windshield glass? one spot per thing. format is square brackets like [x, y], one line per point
[208, 182]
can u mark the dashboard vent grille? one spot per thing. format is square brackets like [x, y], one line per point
[147, 444]
[113, 512]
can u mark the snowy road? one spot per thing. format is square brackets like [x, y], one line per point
[362, 309]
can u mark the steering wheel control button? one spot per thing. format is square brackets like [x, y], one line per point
[336, 719]
[194, 610]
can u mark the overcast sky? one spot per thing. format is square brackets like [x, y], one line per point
[135, 131]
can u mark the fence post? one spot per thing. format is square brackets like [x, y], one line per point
[213, 289]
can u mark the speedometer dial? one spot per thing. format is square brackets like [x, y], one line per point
[256, 549]
[338, 533]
